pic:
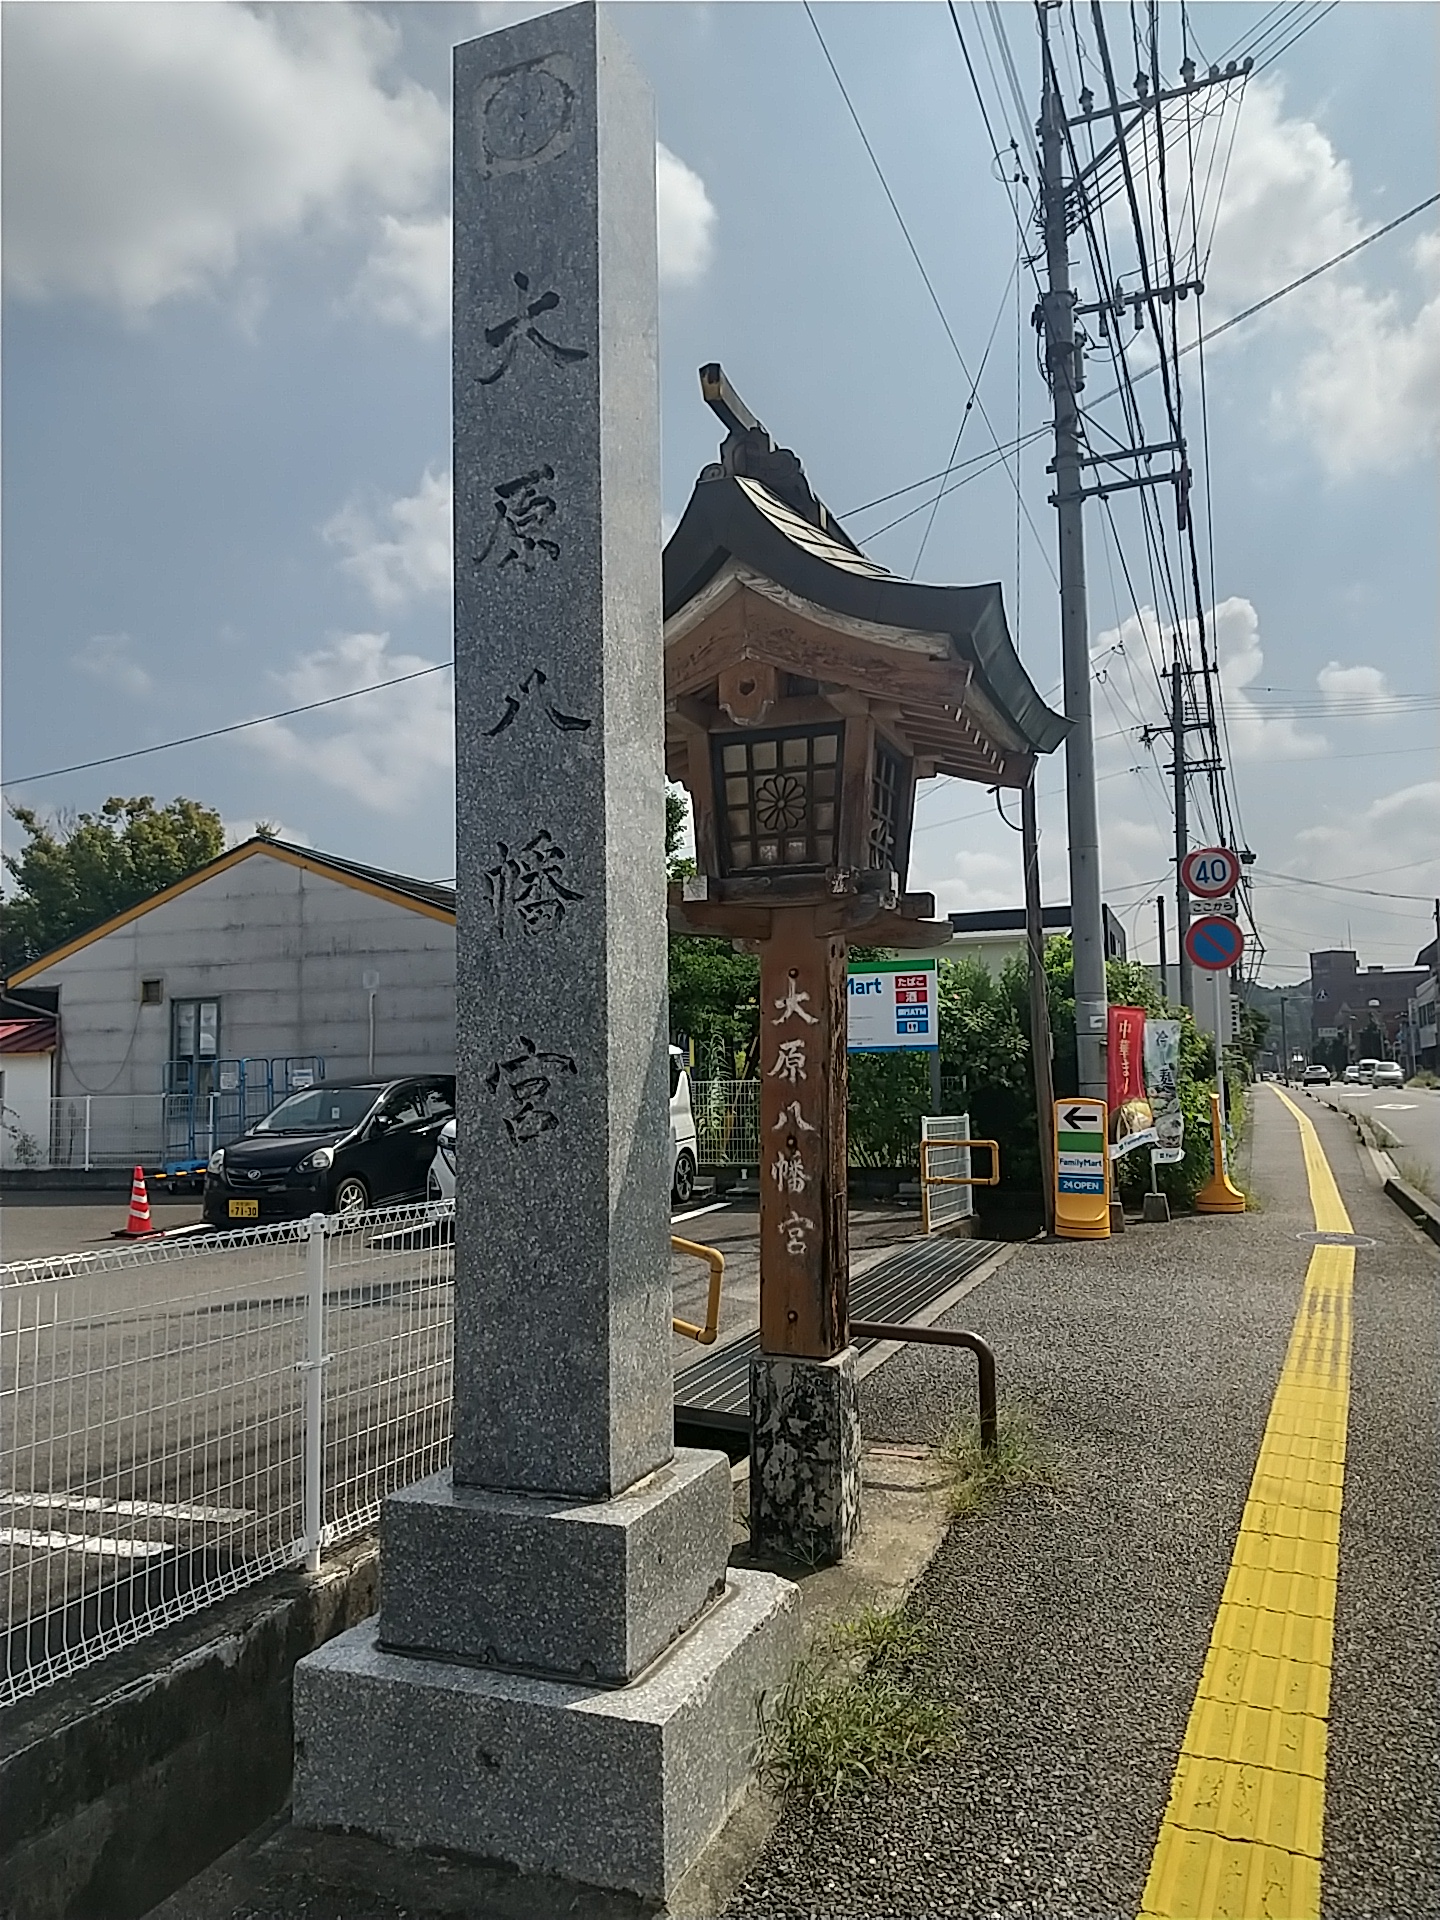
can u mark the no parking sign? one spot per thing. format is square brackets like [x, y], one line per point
[1214, 943]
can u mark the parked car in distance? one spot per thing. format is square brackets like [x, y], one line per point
[1387, 1073]
[440, 1184]
[683, 1148]
[1315, 1076]
[331, 1149]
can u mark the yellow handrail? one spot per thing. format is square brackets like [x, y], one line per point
[716, 1260]
[953, 1179]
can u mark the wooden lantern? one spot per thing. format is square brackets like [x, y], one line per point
[807, 692]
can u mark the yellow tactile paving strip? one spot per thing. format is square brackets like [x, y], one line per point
[1244, 1828]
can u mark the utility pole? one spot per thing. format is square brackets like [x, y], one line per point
[1284, 1042]
[1041, 1041]
[1066, 376]
[1182, 827]
[1164, 963]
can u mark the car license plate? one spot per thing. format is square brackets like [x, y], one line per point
[244, 1209]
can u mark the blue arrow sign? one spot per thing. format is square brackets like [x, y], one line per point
[1214, 943]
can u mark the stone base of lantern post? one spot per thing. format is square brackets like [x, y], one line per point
[618, 1787]
[805, 1456]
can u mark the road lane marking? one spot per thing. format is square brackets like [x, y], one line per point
[129, 1509]
[104, 1544]
[715, 1206]
[1243, 1832]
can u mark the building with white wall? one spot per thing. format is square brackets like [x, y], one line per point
[270, 953]
[27, 1066]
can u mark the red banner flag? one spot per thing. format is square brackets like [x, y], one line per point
[1125, 1072]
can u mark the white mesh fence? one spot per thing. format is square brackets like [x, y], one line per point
[727, 1122]
[181, 1418]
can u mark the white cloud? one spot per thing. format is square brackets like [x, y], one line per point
[1395, 829]
[1362, 692]
[145, 146]
[392, 750]
[1391, 848]
[1149, 645]
[406, 549]
[686, 217]
[1369, 393]
[406, 279]
[110, 657]
[975, 880]
[409, 553]
[1254, 735]
[1365, 384]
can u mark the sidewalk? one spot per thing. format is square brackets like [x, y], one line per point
[1072, 1625]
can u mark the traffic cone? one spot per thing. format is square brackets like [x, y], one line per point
[139, 1222]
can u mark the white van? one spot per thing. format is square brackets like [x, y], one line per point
[441, 1184]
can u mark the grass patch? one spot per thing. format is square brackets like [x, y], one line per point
[851, 1715]
[978, 1478]
[1416, 1174]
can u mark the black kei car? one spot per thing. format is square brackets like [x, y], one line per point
[331, 1149]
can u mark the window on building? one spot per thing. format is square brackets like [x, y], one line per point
[195, 1030]
[152, 992]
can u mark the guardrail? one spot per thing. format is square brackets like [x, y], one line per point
[181, 1418]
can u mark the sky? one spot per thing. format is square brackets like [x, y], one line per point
[226, 477]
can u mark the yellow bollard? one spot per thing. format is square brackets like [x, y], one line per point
[1219, 1194]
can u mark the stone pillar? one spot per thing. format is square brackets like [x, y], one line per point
[571, 1547]
[804, 1404]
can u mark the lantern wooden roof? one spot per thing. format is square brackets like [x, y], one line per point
[753, 577]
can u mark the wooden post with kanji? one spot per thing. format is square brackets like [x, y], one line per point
[804, 1236]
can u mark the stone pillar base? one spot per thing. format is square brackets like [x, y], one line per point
[577, 1590]
[805, 1456]
[621, 1787]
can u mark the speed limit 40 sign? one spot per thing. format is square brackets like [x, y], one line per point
[1210, 872]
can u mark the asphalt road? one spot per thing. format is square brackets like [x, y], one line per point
[35, 1225]
[1411, 1115]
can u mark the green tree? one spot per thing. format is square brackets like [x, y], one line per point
[714, 991]
[72, 874]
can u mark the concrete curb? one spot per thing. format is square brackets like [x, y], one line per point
[124, 1780]
[1419, 1209]
[1424, 1212]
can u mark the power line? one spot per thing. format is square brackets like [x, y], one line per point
[1334, 886]
[920, 264]
[236, 726]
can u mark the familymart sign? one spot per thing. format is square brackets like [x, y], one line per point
[893, 1006]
